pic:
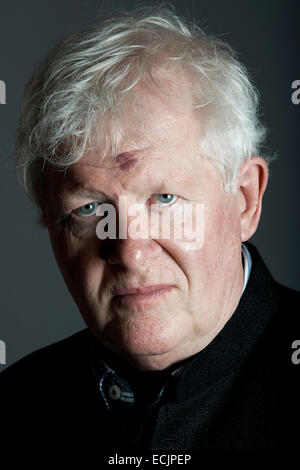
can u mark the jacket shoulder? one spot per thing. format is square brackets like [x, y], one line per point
[286, 327]
[289, 304]
[47, 359]
[288, 292]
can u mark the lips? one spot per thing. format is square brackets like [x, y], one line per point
[145, 290]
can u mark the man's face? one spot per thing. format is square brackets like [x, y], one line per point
[193, 292]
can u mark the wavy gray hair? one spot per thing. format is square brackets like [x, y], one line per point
[88, 77]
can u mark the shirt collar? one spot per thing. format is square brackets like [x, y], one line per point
[247, 263]
[122, 387]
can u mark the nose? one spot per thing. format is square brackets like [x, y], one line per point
[131, 253]
[132, 245]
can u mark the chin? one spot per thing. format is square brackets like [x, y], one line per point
[151, 363]
[147, 344]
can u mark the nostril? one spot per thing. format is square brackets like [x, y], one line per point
[107, 250]
[128, 252]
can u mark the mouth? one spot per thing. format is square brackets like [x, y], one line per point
[142, 294]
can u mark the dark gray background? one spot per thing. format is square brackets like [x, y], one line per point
[36, 308]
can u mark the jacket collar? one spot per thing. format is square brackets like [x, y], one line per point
[231, 347]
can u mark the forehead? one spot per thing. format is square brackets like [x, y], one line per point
[158, 142]
[154, 121]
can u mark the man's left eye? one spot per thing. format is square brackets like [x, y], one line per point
[165, 199]
[88, 209]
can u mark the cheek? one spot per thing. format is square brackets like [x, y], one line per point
[81, 268]
[202, 251]
[222, 225]
[181, 230]
[221, 242]
[186, 265]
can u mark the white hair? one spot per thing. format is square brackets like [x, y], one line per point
[87, 78]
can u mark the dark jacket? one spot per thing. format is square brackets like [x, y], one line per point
[241, 392]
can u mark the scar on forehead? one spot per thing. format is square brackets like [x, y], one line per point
[126, 160]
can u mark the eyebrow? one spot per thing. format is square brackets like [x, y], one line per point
[72, 187]
[76, 189]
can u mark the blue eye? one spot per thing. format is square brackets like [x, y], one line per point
[88, 209]
[166, 199]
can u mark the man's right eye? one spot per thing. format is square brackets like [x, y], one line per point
[88, 209]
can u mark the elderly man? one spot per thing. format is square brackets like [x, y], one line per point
[189, 338]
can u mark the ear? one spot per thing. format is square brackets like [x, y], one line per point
[251, 185]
